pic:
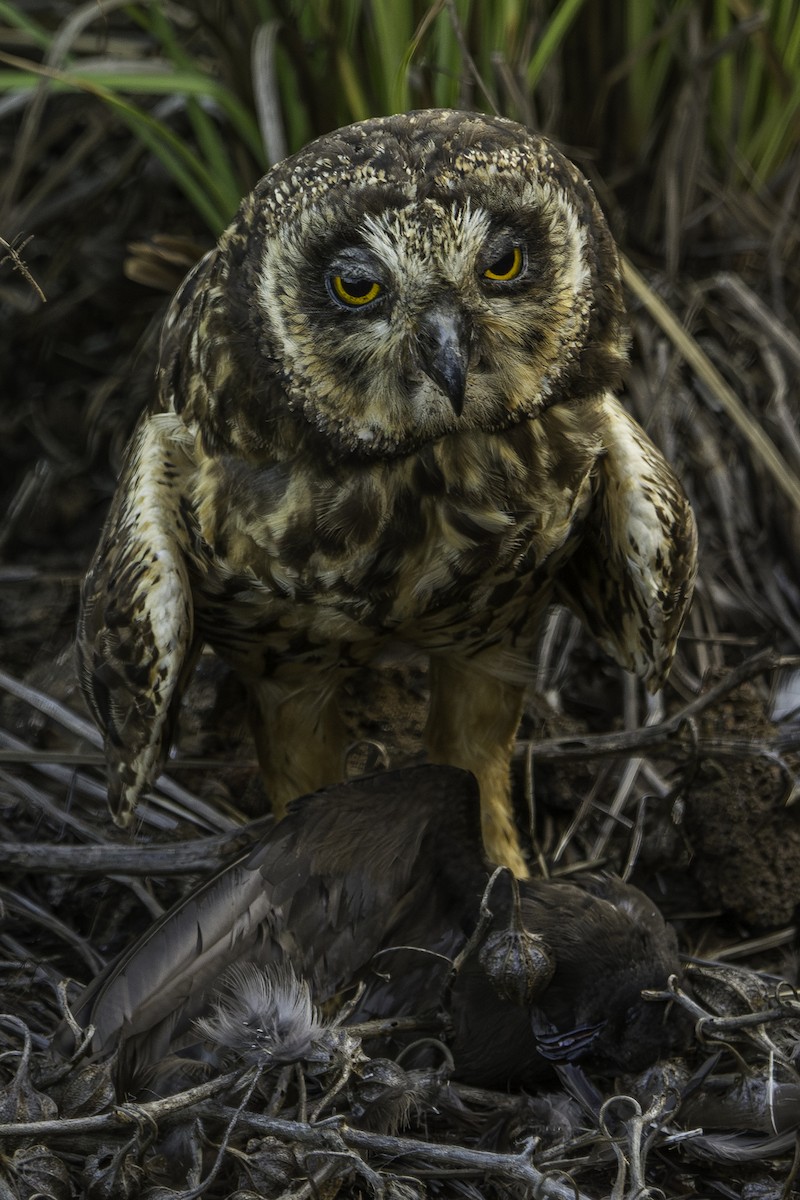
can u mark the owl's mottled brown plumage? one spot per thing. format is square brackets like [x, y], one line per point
[385, 414]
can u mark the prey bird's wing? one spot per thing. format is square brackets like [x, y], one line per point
[323, 890]
[631, 579]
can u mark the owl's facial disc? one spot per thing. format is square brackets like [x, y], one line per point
[424, 314]
[412, 278]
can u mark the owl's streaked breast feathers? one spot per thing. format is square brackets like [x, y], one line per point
[385, 411]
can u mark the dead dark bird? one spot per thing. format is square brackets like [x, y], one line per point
[609, 945]
[380, 881]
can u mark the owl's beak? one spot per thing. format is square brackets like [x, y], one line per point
[444, 340]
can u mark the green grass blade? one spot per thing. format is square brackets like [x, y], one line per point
[550, 41]
[188, 171]
[216, 215]
[208, 139]
[19, 20]
[723, 77]
[393, 33]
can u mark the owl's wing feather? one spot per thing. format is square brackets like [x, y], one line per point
[323, 890]
[135, 641]
[631, 579]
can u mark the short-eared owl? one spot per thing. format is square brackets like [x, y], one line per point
[385, 413]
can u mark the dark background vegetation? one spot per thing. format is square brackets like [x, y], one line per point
[128, 133]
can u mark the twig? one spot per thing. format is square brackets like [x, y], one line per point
[658, 737]
[85, 729]
[124, 1115]
[225, 1141]
[176, 858]
[42, 917]
[757, 310]
[751, 946]
[13, 252]
[638, 1127]
[715, 1028]
[761, 445]
[65, 819]
[513, 1167]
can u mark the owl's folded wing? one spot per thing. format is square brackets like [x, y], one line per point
[631, 578]
[135, 640]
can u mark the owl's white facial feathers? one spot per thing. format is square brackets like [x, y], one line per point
[358, 375]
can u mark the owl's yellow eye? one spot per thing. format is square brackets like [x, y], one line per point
[354, 292]
[506, 268]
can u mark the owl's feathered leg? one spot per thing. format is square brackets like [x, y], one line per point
[300, 738]
[472, 722]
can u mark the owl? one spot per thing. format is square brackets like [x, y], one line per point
[385, 419]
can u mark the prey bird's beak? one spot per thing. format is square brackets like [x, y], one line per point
[444, 339]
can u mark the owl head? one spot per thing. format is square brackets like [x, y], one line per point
[407, 278]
